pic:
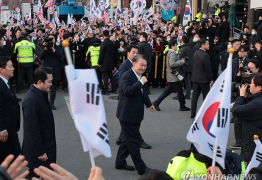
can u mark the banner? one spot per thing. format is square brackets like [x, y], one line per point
[169, 4]
[114, 2]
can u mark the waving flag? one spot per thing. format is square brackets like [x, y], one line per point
[106, 16]
[136, 16]
[85, 98]
[107, 3]
[51, 10]
[40, 12]
[139, 6]
[147, 29]
[68, 19]
[49, 3]
[212, 119]
[256, 158]
[133, 5]
[148, 13]
[52, 24]
[186, 17]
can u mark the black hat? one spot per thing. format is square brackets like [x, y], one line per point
[133, 38]
[222, 8]
[24, 35]
[96, 41]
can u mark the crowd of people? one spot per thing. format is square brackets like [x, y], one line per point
[191, 57]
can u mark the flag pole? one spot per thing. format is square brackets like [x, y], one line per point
[215, 153]
[65, 44]
[92, 159]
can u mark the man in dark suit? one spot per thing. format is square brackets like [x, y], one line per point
[9, 112]
[39, 145]
[132, 51]
[146, 49]
[202, 76]
[106, 61]
[130, 112]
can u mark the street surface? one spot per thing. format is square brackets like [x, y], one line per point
[165, 130]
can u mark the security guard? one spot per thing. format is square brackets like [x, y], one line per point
[174, 19]
[93, 55]
[198, 16]
[217, 10]
[25, 54]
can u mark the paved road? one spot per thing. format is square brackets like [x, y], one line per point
[165, 130]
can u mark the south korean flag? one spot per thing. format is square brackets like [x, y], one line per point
[256, 158]
[212, 119]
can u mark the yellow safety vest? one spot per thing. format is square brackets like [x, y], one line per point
[198, 17]
[166, 49]
[173, 19]
[176, 168]
[217, 11]
[25, 51]
[94, 54]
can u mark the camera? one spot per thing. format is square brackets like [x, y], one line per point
[176, 73]
[204, 22]
[245, 79]
[49, 42]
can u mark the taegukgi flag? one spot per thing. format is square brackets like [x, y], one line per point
[214, 112]
[88, 110]
[256, 158]
[186, 18]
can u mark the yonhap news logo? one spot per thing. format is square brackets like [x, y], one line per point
[188, 174]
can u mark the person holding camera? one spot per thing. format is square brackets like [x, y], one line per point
[51, 54]
[247, 109]
[202, 77]
[255, 51]
[173, 78]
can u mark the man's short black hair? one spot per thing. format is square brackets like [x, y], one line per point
[256, 62]
[106, 33]
[235, 40]
[3, 61]
[258, 79]
[41, 73]
[243, 47]
[66, 35]
[39, 30]
[130, 47]
[185, 39]
[172, 43]
[203, 41]
[144, 35]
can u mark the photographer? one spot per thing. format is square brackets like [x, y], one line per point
[255, 51]
[51, 55]
[247, 109]
[173, 81]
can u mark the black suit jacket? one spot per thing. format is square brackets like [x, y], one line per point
[39, 128]
[107, 55]
[235, 68]
[131, 102]
[146, 49]
[9, 110]
[124, 67]
[201, 70]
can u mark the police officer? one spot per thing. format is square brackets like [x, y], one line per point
[93, 55]
[25, 52]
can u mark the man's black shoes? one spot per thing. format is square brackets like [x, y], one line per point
[175, 98]
[156, 106]
[193, 116]
[232, 120]
[144, 171]
[145, 145]
[126, 167]
[52, 107]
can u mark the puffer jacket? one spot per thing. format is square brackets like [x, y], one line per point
[171, 63]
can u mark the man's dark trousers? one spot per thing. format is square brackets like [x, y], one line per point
[197, 88]
[106, 75]
[29, 71]
[170, 87]
[130, 145]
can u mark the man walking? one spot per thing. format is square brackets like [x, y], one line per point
[106, 61]
[202, 76]
[39, 145]
[9, 112]
[130, 112]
